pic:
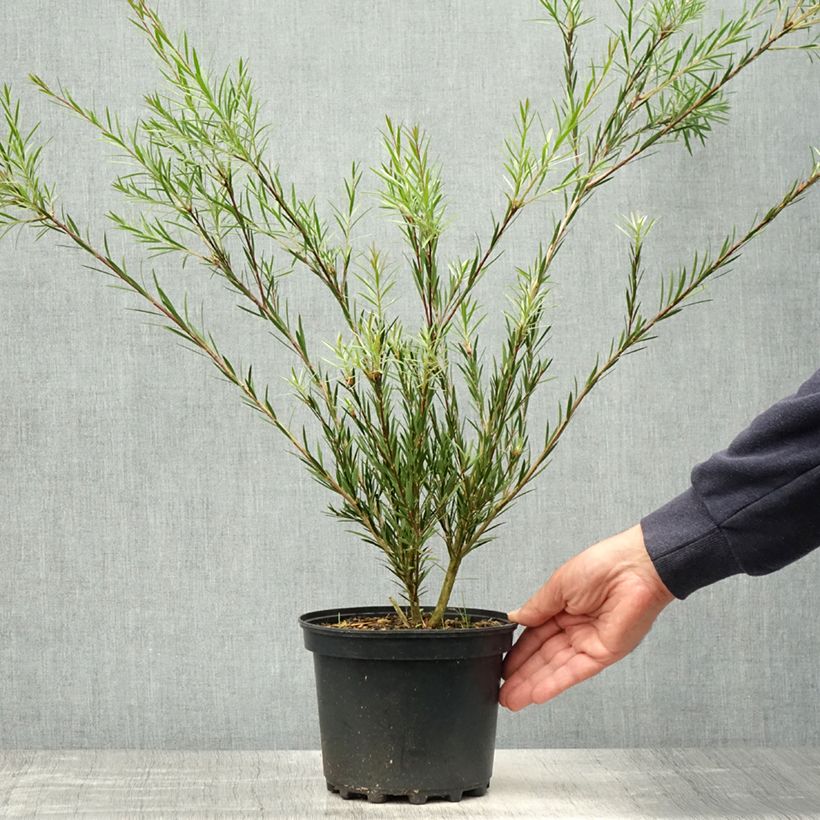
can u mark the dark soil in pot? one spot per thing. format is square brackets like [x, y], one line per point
[411, 712]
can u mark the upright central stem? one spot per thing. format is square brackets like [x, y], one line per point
[415, 608]
[446, 590]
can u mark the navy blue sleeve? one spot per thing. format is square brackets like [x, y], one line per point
[752, 508]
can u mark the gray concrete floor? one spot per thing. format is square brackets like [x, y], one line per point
[680, 783]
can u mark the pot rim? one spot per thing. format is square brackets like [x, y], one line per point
[405, 644]
[310, 621]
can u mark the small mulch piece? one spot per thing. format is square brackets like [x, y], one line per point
[384, 623]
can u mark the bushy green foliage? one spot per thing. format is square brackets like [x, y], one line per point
[418, 434]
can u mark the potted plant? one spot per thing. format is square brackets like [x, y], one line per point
[422, 440]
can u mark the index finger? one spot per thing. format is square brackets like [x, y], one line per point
[546, 603]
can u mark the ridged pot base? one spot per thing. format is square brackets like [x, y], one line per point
[417, 798]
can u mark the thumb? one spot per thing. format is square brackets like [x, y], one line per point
[546, 603]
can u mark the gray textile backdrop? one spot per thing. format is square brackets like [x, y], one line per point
[157, 543]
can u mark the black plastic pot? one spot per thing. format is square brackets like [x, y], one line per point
[407, 713]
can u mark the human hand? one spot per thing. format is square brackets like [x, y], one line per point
[593, 611]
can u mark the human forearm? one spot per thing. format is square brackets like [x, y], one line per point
[752, 508]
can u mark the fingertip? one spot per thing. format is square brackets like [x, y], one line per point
[514, 707]
[523, 618]
[512, 698]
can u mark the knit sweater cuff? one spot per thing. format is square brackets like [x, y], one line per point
[687, 547]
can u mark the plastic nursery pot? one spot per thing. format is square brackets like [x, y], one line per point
[407, 713]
